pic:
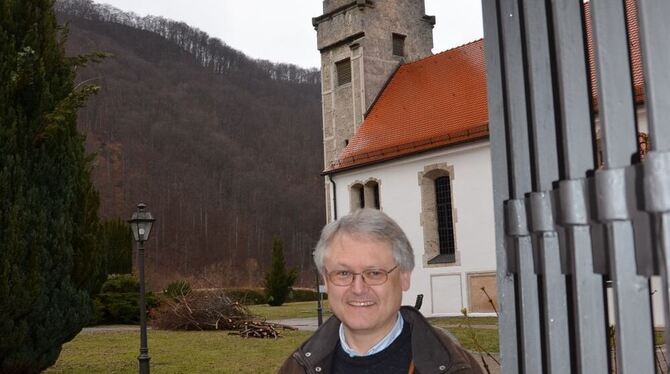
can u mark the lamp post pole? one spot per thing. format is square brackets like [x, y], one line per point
[143, 358]
[319, 309]
[140, 224]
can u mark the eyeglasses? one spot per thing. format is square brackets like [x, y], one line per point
[371, 277]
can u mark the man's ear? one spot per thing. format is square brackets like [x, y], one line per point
[405, 280]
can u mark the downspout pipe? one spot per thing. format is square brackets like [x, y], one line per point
[332, 182]
[319, 300]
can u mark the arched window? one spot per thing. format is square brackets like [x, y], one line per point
[438, 216]
[364, 195]
[372, 194]
[445, 222]
[356, 197]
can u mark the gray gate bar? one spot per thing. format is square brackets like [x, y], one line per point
[518, 152]
[545, 172]
[654, 31]
[634, 340]
[561, 214]
[496, 105]
[653, 18]
[589, 314]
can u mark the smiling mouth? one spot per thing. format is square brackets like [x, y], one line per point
[361, 303]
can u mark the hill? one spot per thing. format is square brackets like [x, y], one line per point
[225, 150]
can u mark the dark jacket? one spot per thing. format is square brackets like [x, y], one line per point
[433, 351]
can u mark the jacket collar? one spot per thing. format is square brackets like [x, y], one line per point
[428, 350]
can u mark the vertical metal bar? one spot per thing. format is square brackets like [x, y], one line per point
[517, 114]
[519, 170]
[634, 343]
[543, 117]
[545, 172]
[653, 18]
[654, 31]
[556, 328]
[574, 98]
[663, 227]
[577, 159]
[529, 305]
[496, 106]
[615, 99]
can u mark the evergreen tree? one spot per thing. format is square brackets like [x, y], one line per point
[117, 242]
[50, 261]
[279, 280]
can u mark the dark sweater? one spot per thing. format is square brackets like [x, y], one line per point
[393, 359]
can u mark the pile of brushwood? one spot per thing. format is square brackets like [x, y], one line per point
[201, 310]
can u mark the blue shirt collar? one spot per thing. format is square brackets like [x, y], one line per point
[380, 346]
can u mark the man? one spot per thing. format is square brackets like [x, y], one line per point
[366, 262]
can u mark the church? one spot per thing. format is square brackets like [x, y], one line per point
[406, 131]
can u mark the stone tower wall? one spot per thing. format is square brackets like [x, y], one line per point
[362, 30]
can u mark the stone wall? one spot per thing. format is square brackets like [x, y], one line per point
[362, 31]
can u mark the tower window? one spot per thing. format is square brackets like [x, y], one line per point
[398, 44]
[343, 68]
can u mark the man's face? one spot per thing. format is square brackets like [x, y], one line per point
[364, 309]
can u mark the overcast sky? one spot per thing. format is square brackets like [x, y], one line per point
[281, 31]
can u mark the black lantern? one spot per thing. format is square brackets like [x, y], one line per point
[141, 222]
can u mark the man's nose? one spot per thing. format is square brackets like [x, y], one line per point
[358, 285]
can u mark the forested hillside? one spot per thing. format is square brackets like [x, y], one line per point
[225, 150]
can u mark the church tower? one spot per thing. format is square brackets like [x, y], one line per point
[362, 43]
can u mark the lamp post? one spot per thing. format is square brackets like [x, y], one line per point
[319, 309]
[140, 224]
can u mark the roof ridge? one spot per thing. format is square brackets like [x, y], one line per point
[443, 52]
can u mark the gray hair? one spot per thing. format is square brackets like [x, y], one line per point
[371, 223]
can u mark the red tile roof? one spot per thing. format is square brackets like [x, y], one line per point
[441, 100]
[437, 101]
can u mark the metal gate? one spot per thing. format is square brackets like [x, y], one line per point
[582, 211]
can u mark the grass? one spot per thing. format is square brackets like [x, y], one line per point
[176, 352]
[485, 340]
[304, 309]
[461, 321]
[101, 351]
[201, 351]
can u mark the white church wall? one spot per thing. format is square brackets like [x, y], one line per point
[445, 288]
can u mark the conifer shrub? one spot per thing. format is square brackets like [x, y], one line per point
[247, 296]
[50, 254]
[303, 294]
[117, 301]
[279, 280]
[254, 296]
[117, 246]
[120, 283]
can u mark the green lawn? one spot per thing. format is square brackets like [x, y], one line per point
[201, 352]
[218, 352]
[463, 321]
[176, 352]
[304, 309]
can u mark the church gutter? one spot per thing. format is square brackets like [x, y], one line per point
[406, 153]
